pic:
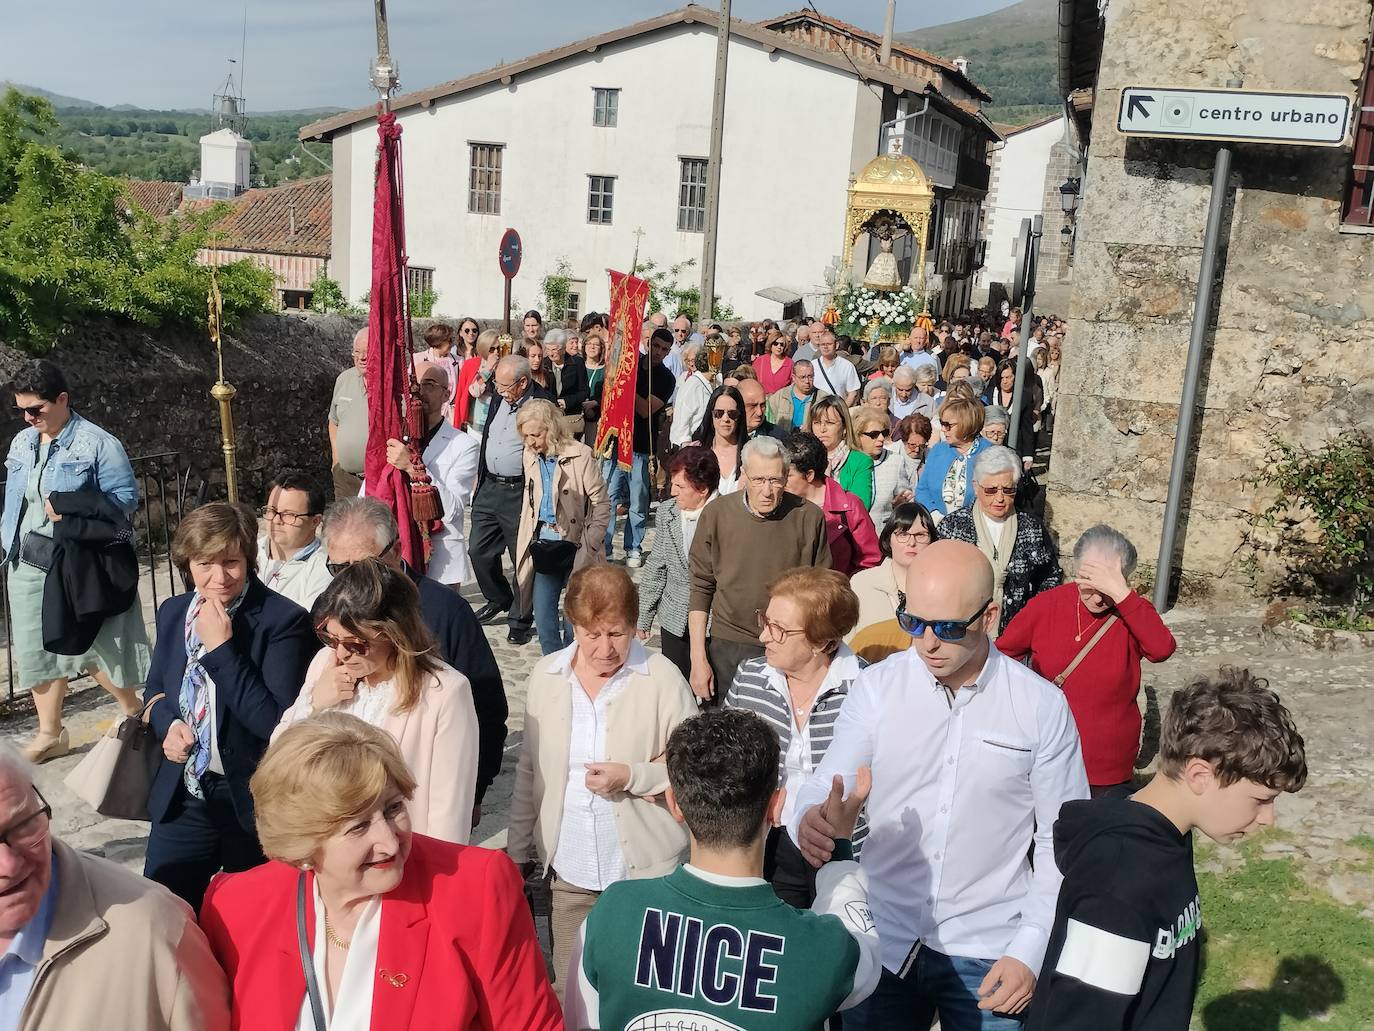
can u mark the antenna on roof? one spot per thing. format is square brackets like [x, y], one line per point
[243, 46]
[227, 106]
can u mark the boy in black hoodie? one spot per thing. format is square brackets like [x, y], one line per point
[1124, 950]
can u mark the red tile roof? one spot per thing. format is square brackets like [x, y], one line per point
[156, 198]
[294, 218]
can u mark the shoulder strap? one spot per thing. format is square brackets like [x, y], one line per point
[312, 985]
[820, 364]
[1092, 642]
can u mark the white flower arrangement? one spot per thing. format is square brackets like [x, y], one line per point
[859, 307]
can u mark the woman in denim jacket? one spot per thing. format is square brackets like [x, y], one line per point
[60, 451]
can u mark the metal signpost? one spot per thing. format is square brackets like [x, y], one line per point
[1031, 232]
[1230, 115]
[509, 258]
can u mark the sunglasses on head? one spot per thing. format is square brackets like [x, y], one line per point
[944, 629]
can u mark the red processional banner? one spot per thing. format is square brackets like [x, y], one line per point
[615, 432]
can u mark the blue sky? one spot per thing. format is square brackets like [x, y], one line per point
[314, 53]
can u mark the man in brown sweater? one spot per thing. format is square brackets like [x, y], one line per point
[743, 541]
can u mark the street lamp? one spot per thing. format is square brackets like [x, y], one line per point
[1069, 196]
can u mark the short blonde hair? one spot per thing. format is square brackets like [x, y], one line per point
[543, 414]
[887, 355]
[317, 776]
[830, 608]
[486, 342]
[966, 415]
[956, 361]
[866, 415]
[216, 528]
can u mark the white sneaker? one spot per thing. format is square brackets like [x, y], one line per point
[634, 559]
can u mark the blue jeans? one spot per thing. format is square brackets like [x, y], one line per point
[935, 984]
[634, 487]
[554, 633]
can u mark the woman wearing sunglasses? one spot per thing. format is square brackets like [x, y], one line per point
[379, 663]
[799, 686]
[945, 484]
[880, 590]
[1024, 559]
[59, 459]
[894, 472]
[722, 432]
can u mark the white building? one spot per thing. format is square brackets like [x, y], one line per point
[1027, 172]
[582, 147]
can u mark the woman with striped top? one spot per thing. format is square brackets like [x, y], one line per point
[798, 686]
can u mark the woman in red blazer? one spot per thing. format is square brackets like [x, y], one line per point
[402, 930]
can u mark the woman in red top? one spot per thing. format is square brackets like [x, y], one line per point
[774, 368]
[848, 526]
[401, 930]
[1101, 691]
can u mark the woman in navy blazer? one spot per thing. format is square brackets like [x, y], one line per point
[230, 659]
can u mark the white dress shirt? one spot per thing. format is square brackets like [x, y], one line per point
[962, 788]
[588, 853]
[352, 1010]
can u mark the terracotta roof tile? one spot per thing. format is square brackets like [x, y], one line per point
[291, 219]
[154, 197]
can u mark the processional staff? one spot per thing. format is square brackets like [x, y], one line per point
[223, 392]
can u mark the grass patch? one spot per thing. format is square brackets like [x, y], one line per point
[1364, 841]
[1280, 956]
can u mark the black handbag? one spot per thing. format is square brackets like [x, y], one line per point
[552, 558]
[38, 551]
[312, 985]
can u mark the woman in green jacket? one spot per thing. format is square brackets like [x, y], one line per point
[829, 420]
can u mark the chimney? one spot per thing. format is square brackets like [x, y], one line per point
[885, 54]
[291, 219]
[962, 64]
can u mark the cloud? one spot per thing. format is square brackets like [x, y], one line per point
[313, 53]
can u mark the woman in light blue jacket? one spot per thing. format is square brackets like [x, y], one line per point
[61, 452]
[946, 483]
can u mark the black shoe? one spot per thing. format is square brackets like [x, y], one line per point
[519, 636]
[490, 613]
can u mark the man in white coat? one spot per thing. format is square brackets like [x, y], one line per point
[450, 458]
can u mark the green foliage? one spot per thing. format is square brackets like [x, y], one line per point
[1280, 953]
[667, 295]
[1333, 487]
[327, 297]
[422, 303]
[69, 246]
[554, 288]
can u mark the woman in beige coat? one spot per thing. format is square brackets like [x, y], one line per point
[380, 664]
[603, 705]
[876, 635]
[563, 518]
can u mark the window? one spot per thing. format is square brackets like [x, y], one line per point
[572, 310]
[691, 196]
[600, 194]
[1358, 209]
[419, 280]
[605, 106]
[484, 178]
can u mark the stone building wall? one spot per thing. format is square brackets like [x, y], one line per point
[150, 388]
[1292, 355]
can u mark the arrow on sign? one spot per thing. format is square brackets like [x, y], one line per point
[1137, 103]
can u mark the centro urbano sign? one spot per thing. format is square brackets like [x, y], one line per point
[1234, 115]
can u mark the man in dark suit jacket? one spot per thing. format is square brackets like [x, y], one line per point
[255, 647]
[359, 528]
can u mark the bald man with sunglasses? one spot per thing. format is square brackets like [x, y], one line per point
[972, 756]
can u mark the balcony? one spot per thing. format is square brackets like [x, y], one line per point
[973, 173]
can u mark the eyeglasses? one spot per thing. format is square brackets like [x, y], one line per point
[356, 647]
[726, 413]
[335, 568]
[28, 831]
[759, 482]
[32, 411]
[874, 434]
[944, 629]
[911, 537]
[992, 492]
[273, 515]
[775, 631]
[946, 426]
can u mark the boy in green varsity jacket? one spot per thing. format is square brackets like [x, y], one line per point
[710, 947]
[1125, 947]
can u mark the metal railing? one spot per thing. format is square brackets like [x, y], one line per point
[165, 495]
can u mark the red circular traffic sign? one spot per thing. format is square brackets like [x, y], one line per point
[510, 253]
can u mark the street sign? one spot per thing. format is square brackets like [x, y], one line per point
[1237, 115]
[509, 255]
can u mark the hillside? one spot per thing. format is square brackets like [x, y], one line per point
[141, 144]
[56, 99]
[1011, 54]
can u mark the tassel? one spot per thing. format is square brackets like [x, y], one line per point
[425, 504]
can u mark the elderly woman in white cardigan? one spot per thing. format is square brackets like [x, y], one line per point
[588, 802]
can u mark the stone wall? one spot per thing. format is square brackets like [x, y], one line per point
[1292, 355]
[150, 388]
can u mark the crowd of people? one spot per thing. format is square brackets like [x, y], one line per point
[878, 770]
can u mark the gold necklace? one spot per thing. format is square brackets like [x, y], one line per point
[1078, 618]
[334, 939]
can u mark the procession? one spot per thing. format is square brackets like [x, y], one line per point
[962, 642]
